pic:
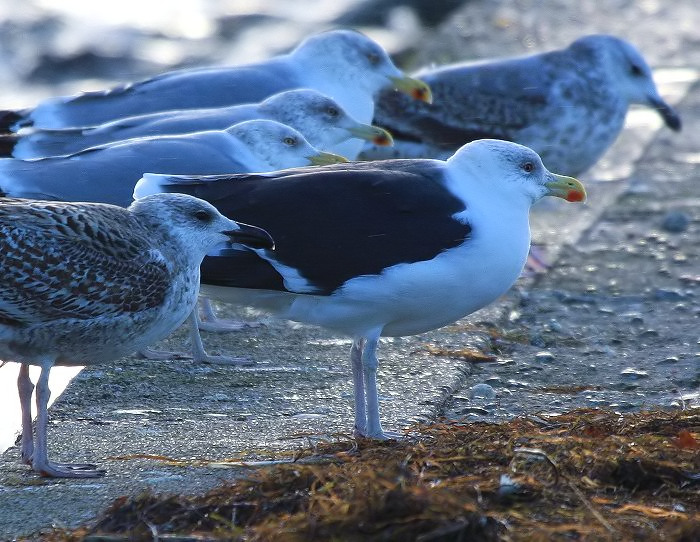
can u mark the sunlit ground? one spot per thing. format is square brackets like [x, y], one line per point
[10, 422]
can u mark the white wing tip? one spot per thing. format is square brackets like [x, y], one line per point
[147, 185]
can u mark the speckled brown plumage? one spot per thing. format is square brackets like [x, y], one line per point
[69, 261]
[86, 283]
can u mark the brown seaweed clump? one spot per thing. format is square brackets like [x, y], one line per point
[585, 475]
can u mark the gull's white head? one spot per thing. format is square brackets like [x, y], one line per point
[511, 173]
[278, 146]
[353, 58]
[629, 73]
[320, 118]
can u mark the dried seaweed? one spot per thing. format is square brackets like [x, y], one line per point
[585, 475]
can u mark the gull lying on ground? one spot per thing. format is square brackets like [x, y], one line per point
[567, 105]
[344, 64]
[318, 117]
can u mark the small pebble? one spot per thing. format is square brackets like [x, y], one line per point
[663, 294]
[635, 374]
[555, 326]
[482, 391]
[670, 359]
[649, 333]
[507, 486]
[544, 356]
[476, 411]
[537, 340]
[675, 222]
[216, 397]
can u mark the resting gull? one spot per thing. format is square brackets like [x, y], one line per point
[344, 64]
[318, 117]
[107, 174]
[372, 249]
[567, 105]
[86, 283]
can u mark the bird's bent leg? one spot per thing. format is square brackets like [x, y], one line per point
[25, 387]
[40, 461]
[199, 355]
[209, 321]
[358, 384]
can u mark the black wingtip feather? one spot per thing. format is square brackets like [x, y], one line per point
[11, 119]
[7, 144]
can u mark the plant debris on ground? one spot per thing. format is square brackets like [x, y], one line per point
[585, 475]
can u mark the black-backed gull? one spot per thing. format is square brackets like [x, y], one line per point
[374, 249]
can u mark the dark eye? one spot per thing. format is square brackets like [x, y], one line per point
[332, 111]
[204, 216]
[291, 141]
[528, 167]
[636, 70]
[373, 58]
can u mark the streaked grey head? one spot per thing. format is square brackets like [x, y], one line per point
[630, 73]
[195, 225]
[321, 120]
[351, 54]
[278, 145]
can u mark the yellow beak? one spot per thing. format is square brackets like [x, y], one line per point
[375, 134]
[326, 159]
[415, 88]
[566, 188]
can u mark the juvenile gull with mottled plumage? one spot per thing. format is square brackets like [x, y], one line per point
[372, 249]
[567, 105]
[86, 283]
[321, 120]
[344, 64]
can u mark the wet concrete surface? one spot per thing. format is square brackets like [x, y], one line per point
[612, 324]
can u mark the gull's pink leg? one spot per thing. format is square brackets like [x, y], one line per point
[40, 460]
[25, 387]
[358, 384]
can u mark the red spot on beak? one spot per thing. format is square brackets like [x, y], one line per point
[575, 195]
[421, 94]
[381, 140]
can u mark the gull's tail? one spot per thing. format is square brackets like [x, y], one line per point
[156, 183]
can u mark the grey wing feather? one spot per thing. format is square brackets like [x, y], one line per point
[469, 102]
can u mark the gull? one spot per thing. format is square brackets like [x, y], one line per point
[107, 174]
[568, 105]
[373, 249]
[86, 283]
[344, 64]
[318, 117]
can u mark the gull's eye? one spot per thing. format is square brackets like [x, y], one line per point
[373, 58]
[291, 141]
[636, 70]
[528, 167]
[204, 216]
[332, 111]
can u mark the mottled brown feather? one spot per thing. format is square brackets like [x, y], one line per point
[64, 261]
